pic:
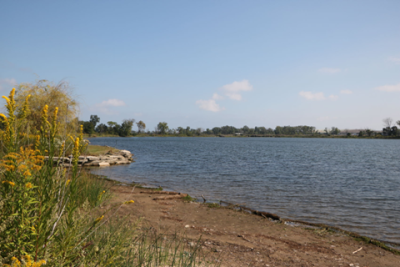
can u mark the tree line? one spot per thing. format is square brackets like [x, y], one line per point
[127, 128]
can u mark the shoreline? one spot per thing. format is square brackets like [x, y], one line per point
[231, 136]
[392, 247]
[238, 236]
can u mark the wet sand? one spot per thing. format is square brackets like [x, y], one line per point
[237, 238]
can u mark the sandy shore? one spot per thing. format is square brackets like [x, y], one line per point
[238, 238]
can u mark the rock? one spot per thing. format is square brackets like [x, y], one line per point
[104, 164]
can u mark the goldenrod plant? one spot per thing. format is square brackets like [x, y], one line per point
[37, 199]
[50, 211]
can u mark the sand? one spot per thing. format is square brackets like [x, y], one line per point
[237, 238]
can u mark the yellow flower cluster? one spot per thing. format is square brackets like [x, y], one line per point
[8, 134]
[26, 263]
[129, 202]
[8, 182]
[75, 152]
[25, 108]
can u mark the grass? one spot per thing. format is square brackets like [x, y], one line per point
[188, 198]
[213, 205]
[95, 150]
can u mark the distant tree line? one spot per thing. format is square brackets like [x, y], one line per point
[126, 129]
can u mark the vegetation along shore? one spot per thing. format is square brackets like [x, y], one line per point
[53, 212]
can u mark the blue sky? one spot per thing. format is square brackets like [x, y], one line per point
[212, 63]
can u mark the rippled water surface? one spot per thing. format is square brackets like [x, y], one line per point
[350, 183]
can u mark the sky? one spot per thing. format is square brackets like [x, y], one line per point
[211, 63]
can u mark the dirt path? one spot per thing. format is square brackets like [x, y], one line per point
[241, 239]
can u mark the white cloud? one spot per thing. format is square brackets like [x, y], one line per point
[209, 105]
[346, 92]
[333, 97]
[395, 60]
[329, 70]
[389, 88]
[312, 96]
[233, 90]
[4, 83]
[217, 96]
[112, 103]
[105, 106]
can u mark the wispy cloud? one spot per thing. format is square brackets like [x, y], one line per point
[389, 88]
[209, 105]
[112, 103]
[329, 70]
[346, 92]
[107, 105]
[234, 89]
[396, 60]
[217, 96]
[333, 97]
[312, 96]
[5, 83]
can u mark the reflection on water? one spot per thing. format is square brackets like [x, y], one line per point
[350, 183]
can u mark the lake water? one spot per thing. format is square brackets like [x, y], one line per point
[350, 183]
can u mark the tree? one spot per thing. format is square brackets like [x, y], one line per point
[126, 127]
[113, 127]
[387, 122]
[54, 95]
[369, 132]
[162, 127]
[335, 131]
[141, 126]
[88, 128]
[94, 119]
[102, 128]
[216, 130]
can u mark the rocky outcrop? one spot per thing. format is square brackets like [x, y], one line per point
[117, 158]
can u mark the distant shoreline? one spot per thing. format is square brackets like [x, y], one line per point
[253, 136]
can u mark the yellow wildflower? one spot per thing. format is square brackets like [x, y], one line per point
[39, 263]
[28, 185]
[75, 151]
[28, 260]
[3, 116]
[99, 219]
[8, 182]
[15, 262]
[129, 202]
[68, 181]
[22, 167]
[37, 143]
[25, 108]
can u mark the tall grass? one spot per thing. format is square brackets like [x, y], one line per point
[52, 214]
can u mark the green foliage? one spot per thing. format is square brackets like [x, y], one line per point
[141, 126]
[188, 198]
[162, 127]
[54, 95]
[213, 205]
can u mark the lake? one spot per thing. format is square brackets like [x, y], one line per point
[353, 184]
